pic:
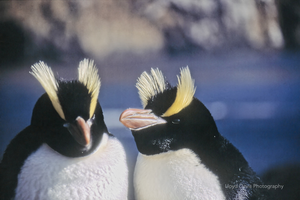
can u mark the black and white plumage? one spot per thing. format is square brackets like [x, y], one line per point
[66, 152]
[181, 153]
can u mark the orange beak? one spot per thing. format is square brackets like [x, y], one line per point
[84, 129]
[137, 119]
[81, 132]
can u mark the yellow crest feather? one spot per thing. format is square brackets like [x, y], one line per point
[45, 76]
[150, 85]
[88, 75]
[185, 92]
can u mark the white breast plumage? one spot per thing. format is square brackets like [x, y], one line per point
[49, 175]
[175, 175]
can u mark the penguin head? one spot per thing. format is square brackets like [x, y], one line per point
[172, 117]
[68, 115]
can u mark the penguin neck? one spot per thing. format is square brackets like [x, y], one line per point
[64, 143]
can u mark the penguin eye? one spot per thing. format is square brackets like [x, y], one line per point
[176, 121]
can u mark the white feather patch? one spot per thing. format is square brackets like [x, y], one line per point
[49, 175]
[175, 175]
[45, 76]
[88, 75]
[150, 85]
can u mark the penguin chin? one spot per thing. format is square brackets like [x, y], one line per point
[101, 144]
[86, 148]
[152, 149]
[162, 153]
[74, 150]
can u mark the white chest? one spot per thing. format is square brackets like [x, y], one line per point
[175, 175]
[49, 175]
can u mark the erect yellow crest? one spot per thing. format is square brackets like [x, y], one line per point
[88, 75]
[150, 85]
[185, 92]
[45, 76]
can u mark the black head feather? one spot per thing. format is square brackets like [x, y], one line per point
[74, 99]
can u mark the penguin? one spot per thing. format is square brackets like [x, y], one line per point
[182, 155]
[66, 152]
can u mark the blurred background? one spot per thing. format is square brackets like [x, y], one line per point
[243, 54]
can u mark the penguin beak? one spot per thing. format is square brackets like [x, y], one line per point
[138, 119]
[81, 131]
